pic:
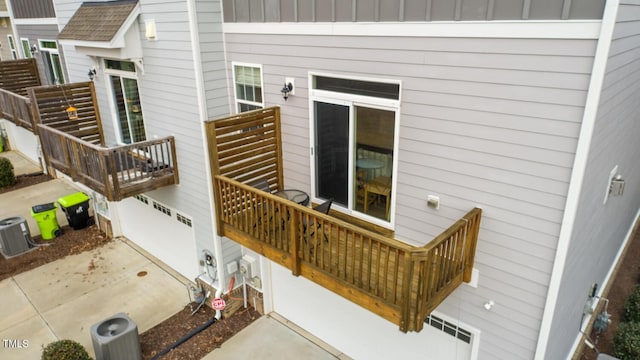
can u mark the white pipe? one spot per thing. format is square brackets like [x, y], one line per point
[244, 290]
[218, 314]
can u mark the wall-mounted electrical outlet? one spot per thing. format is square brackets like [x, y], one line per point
[433, 202]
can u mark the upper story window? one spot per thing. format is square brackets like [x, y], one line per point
[12, 47]
[354, 144]
[52, 62]
[247, 81]
[26, 48]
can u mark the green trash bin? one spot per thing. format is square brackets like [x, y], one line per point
[76, 208]
[45, 216]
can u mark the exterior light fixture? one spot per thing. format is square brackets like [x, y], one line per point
[34, 49]
[92, 74]
[288, 88]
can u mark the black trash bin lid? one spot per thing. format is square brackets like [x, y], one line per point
[43, 207]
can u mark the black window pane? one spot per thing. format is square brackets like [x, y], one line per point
[358, 87]
[332, 147]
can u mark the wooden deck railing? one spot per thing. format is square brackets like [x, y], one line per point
[397, 281]
[16, 108]
[116, 172]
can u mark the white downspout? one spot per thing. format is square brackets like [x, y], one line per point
[577, 174]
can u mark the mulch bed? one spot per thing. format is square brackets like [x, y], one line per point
[26, 180]
[71, 242]
[154, 340]
[169, 331]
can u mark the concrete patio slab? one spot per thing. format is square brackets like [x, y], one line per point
[22, 165]
[16, 307]
[19, 203]
[62, 281]
[73, 293]
[25, 340]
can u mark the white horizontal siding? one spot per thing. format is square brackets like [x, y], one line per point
[170, 104]
[600, 230]
[483, 122]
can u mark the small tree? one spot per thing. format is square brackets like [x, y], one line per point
[7, 177]
[632, 306]
[65, 350]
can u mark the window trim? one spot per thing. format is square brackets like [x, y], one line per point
[28, 48]
[112, 103]
[237, 101]
[353, 101]
[50, 51]
[12, 46]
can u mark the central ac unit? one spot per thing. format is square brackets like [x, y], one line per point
[14, 236]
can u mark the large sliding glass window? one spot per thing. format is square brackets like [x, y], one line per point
[126, 100]
[248, 87]
[52, 63]
[354, 124]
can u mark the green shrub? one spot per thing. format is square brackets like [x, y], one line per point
[632, 306]
[7, 177]
[626, 343]
[65, 350]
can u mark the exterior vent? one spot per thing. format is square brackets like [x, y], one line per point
[449, 328]
[163, 209]
[142, 199]
[14, 236]
[183, 219]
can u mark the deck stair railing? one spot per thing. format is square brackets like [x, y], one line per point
[397, 281]
[116, 172]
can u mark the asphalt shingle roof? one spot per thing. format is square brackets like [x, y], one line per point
[97, 21]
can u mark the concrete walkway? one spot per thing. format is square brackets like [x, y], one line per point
[21, 164]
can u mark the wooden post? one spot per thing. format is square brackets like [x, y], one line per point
[406, 291]
[294, 240]
[473, 228]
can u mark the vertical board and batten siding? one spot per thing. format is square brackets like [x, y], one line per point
[600, 229]
[408, 10]
[36, 32]
[32, 9]
[168, 94]
[483, 122]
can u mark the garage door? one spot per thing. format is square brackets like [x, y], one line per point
[338, 322]
[162, 231]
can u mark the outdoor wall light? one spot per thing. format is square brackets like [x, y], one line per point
[92, 74]
[34, 49]
[288, 88]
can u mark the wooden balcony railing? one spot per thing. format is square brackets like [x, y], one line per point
[16, 108]
[397, 281]
[116, 172]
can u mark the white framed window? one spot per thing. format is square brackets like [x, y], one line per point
[125, 99]
[52, 62]
[26, 48]
[12, 47]
[354, 125]
[247, 89]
